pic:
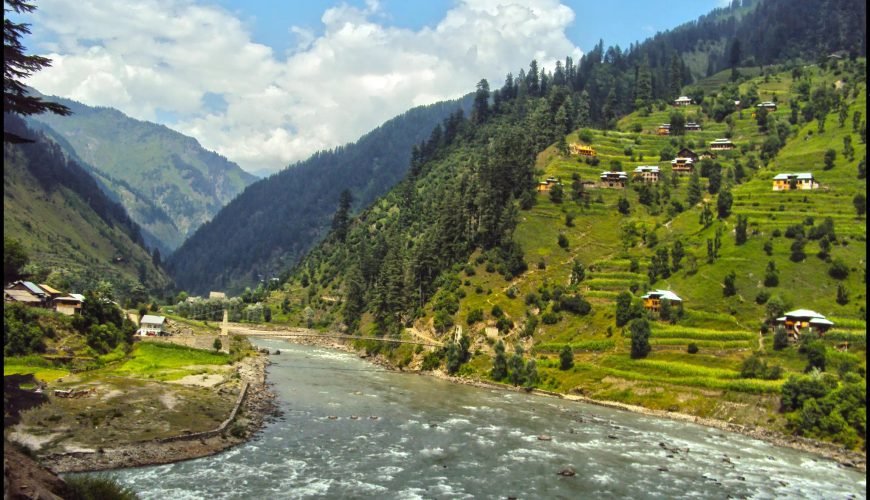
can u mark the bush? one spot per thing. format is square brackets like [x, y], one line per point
[504, 325]
[474, 316]
[563, 241]
[692, 348]
[550, 318]
[780, 338]
[97, 487]
[839, 270]
[566, 358]
[762, 297]
[496, 311]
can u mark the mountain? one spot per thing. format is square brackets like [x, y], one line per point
[74, 234]
[166, 181]
[499, 236]
[276, 220]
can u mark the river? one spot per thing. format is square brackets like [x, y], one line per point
[353, 430]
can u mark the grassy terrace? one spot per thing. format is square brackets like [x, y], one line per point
[725, 329]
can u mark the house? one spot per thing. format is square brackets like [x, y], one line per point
[682, 101]
[217, 295]
[649, 173]
[21, 296]
[151, 325]
[721, 145]
[613, 179]
[664, 129]
[706, 155]
[768, 105]
[68, 304]
[547, 184]
[580, 149]
[685, 161]
[652, 301]
[786, 182]
[52, 293]
[692, 127]
[34, 290]
[793, 321]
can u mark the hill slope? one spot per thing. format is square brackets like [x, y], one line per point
[74, 234]
[168, 183]
[276, 220]
[434, 254]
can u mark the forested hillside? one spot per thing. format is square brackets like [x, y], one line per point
[74, 235]
[466, 248]
[266, 229]
[166, 181]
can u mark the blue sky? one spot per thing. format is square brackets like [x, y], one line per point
[270, 83]
[619, 22]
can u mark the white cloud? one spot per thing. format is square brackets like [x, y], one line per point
[142, 56]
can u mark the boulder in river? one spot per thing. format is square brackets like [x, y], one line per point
[544, 437]
[567, 472]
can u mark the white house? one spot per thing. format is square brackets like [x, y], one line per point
[682, 101]
[151, 325]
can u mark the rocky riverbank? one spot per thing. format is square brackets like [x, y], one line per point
[845, 457]
[255, 408]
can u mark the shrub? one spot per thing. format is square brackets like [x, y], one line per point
[504, 324]
[563, 241]
[839, 270]
[99, 486]
[566, 358]
[550, 318]
[474, 316]
[692, 348]
[762, 297]
[496, 311]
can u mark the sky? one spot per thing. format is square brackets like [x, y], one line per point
[268, 83]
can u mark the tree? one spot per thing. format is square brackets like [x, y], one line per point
[566, 358]
[517, 366]
[860, 202]
[771, 276]
[728, 285]
[623, 206]
[578, 272]
[14, 259]
[740, 229]
[678, 123]
[18, 66]
[640, 332]
[556, 193]
[734, 55]
[623, 308]
[830, 157]
[724, 202]
[693, 191]
[780, 338]
[842, 294]
[341, 219]
[532, 378]
[480, 109]
[217, 345]
[499, 362]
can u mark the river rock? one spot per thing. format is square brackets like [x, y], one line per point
[567, 472]
[544, 437]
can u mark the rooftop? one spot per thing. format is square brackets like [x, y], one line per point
[804, 313]
[785, 177]
[662, 294]
[151, 319]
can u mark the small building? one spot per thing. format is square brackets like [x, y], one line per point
[217, 295]
[768, 105]
[21, 296]
[682, 165]
[706, 155]
[68, 304]
[547, 184]
[786, 182]
[682, 101]
[32, 288]
[721, 145]
[664, 129]
[652, 301]
[613, 179]
[649, 173]
[580, 149]
[693, 127]
[52, 293]
[794, 321]
[151, 325]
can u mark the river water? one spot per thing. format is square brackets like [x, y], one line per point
[419, 437]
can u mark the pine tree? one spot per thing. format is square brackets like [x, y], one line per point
[480, 109]
[640, 332]
[693, 190]
[18, 66]
[499, 362]
[566, 358]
